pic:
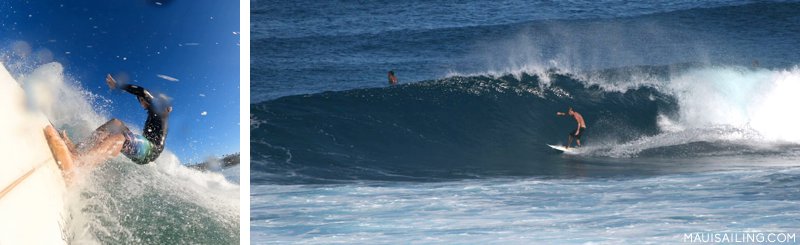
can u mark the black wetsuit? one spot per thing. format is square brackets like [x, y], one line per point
[145, 148]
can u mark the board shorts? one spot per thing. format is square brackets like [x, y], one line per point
[138, 148]
[572, 133]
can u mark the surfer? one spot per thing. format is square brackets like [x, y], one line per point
[578, 132]
[114, 137]
[392, 78]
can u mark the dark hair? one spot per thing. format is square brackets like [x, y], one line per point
[391, 73]
[569, 109]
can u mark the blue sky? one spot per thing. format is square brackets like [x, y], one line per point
[195, 41]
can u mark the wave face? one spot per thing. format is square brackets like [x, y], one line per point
[467, 126]
[683, 81]
[446, 127]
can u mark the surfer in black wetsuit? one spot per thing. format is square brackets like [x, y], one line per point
[114, 137]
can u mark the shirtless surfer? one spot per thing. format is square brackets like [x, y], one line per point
[114, 137]
[578, 132]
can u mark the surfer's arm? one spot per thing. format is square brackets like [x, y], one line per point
[138, 91]
[145, 97]
[132, 89]
[112, 84]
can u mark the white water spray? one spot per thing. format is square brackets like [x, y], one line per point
[122, 202]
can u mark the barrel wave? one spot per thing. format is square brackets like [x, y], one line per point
[467, 126]
[454, 127]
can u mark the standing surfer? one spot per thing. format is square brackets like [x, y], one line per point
[578, 132]
[114, 137]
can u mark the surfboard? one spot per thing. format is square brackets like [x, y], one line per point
[32, 187]
[563, 149]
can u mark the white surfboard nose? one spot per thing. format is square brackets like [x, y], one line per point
[32, 187]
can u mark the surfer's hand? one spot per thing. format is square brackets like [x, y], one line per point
[112, 84]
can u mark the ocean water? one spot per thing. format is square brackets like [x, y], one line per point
[689, 108]
[121, 202]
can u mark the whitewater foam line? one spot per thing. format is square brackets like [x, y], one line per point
[724, 105]
[758, 99]
[744, 98]
[740, 105]
[620, 210]
[716, 135]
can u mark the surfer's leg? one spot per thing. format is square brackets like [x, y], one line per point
[571, 136]
[578, 141]
[113, 126]
[104, 143]
[102, 151]
[569, 142]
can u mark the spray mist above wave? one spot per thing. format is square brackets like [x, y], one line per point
[758, 99]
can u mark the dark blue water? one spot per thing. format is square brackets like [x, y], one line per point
[307, 47]
[679, 98]
[480, 90]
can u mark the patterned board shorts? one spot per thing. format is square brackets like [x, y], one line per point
[138, 148]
